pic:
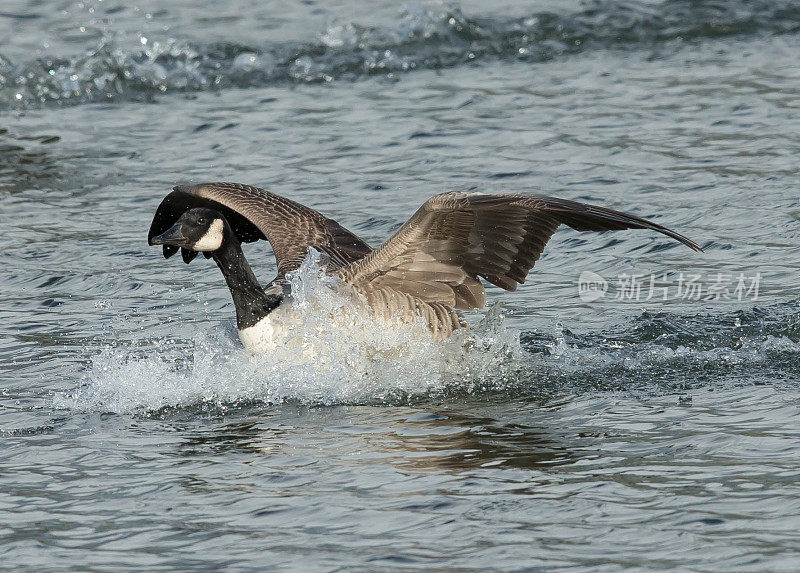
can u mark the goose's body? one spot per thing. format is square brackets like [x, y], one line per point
[428, 270]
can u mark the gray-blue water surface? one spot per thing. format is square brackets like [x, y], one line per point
[657, 426]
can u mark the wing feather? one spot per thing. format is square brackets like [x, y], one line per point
[253, 213]
[438, 255]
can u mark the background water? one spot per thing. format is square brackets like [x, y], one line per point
[617, 434]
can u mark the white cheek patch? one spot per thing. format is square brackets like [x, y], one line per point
[212, 240]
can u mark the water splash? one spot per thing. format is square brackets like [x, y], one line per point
[358, 361]
[424, 38]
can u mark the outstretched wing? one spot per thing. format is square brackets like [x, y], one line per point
[253, 213]
[454, 238]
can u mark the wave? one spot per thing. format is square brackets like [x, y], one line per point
[675, 352]
[424, 38]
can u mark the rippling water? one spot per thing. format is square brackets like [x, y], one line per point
[630, 432]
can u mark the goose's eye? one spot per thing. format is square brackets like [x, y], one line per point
[201, 221]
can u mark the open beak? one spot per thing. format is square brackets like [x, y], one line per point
[172, 236]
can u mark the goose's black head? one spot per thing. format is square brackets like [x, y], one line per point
[199, 230]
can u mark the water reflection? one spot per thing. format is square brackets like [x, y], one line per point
[238, 437]
[423, 440]
[448, 441]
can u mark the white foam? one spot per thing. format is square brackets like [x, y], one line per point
[359, 361]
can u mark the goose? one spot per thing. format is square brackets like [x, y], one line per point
[428, 270]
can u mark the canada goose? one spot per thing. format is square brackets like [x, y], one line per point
[429, 268]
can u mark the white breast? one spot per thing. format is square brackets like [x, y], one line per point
[261, 337]
[278, 328]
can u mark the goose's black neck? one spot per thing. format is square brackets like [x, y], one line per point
[251, 302]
